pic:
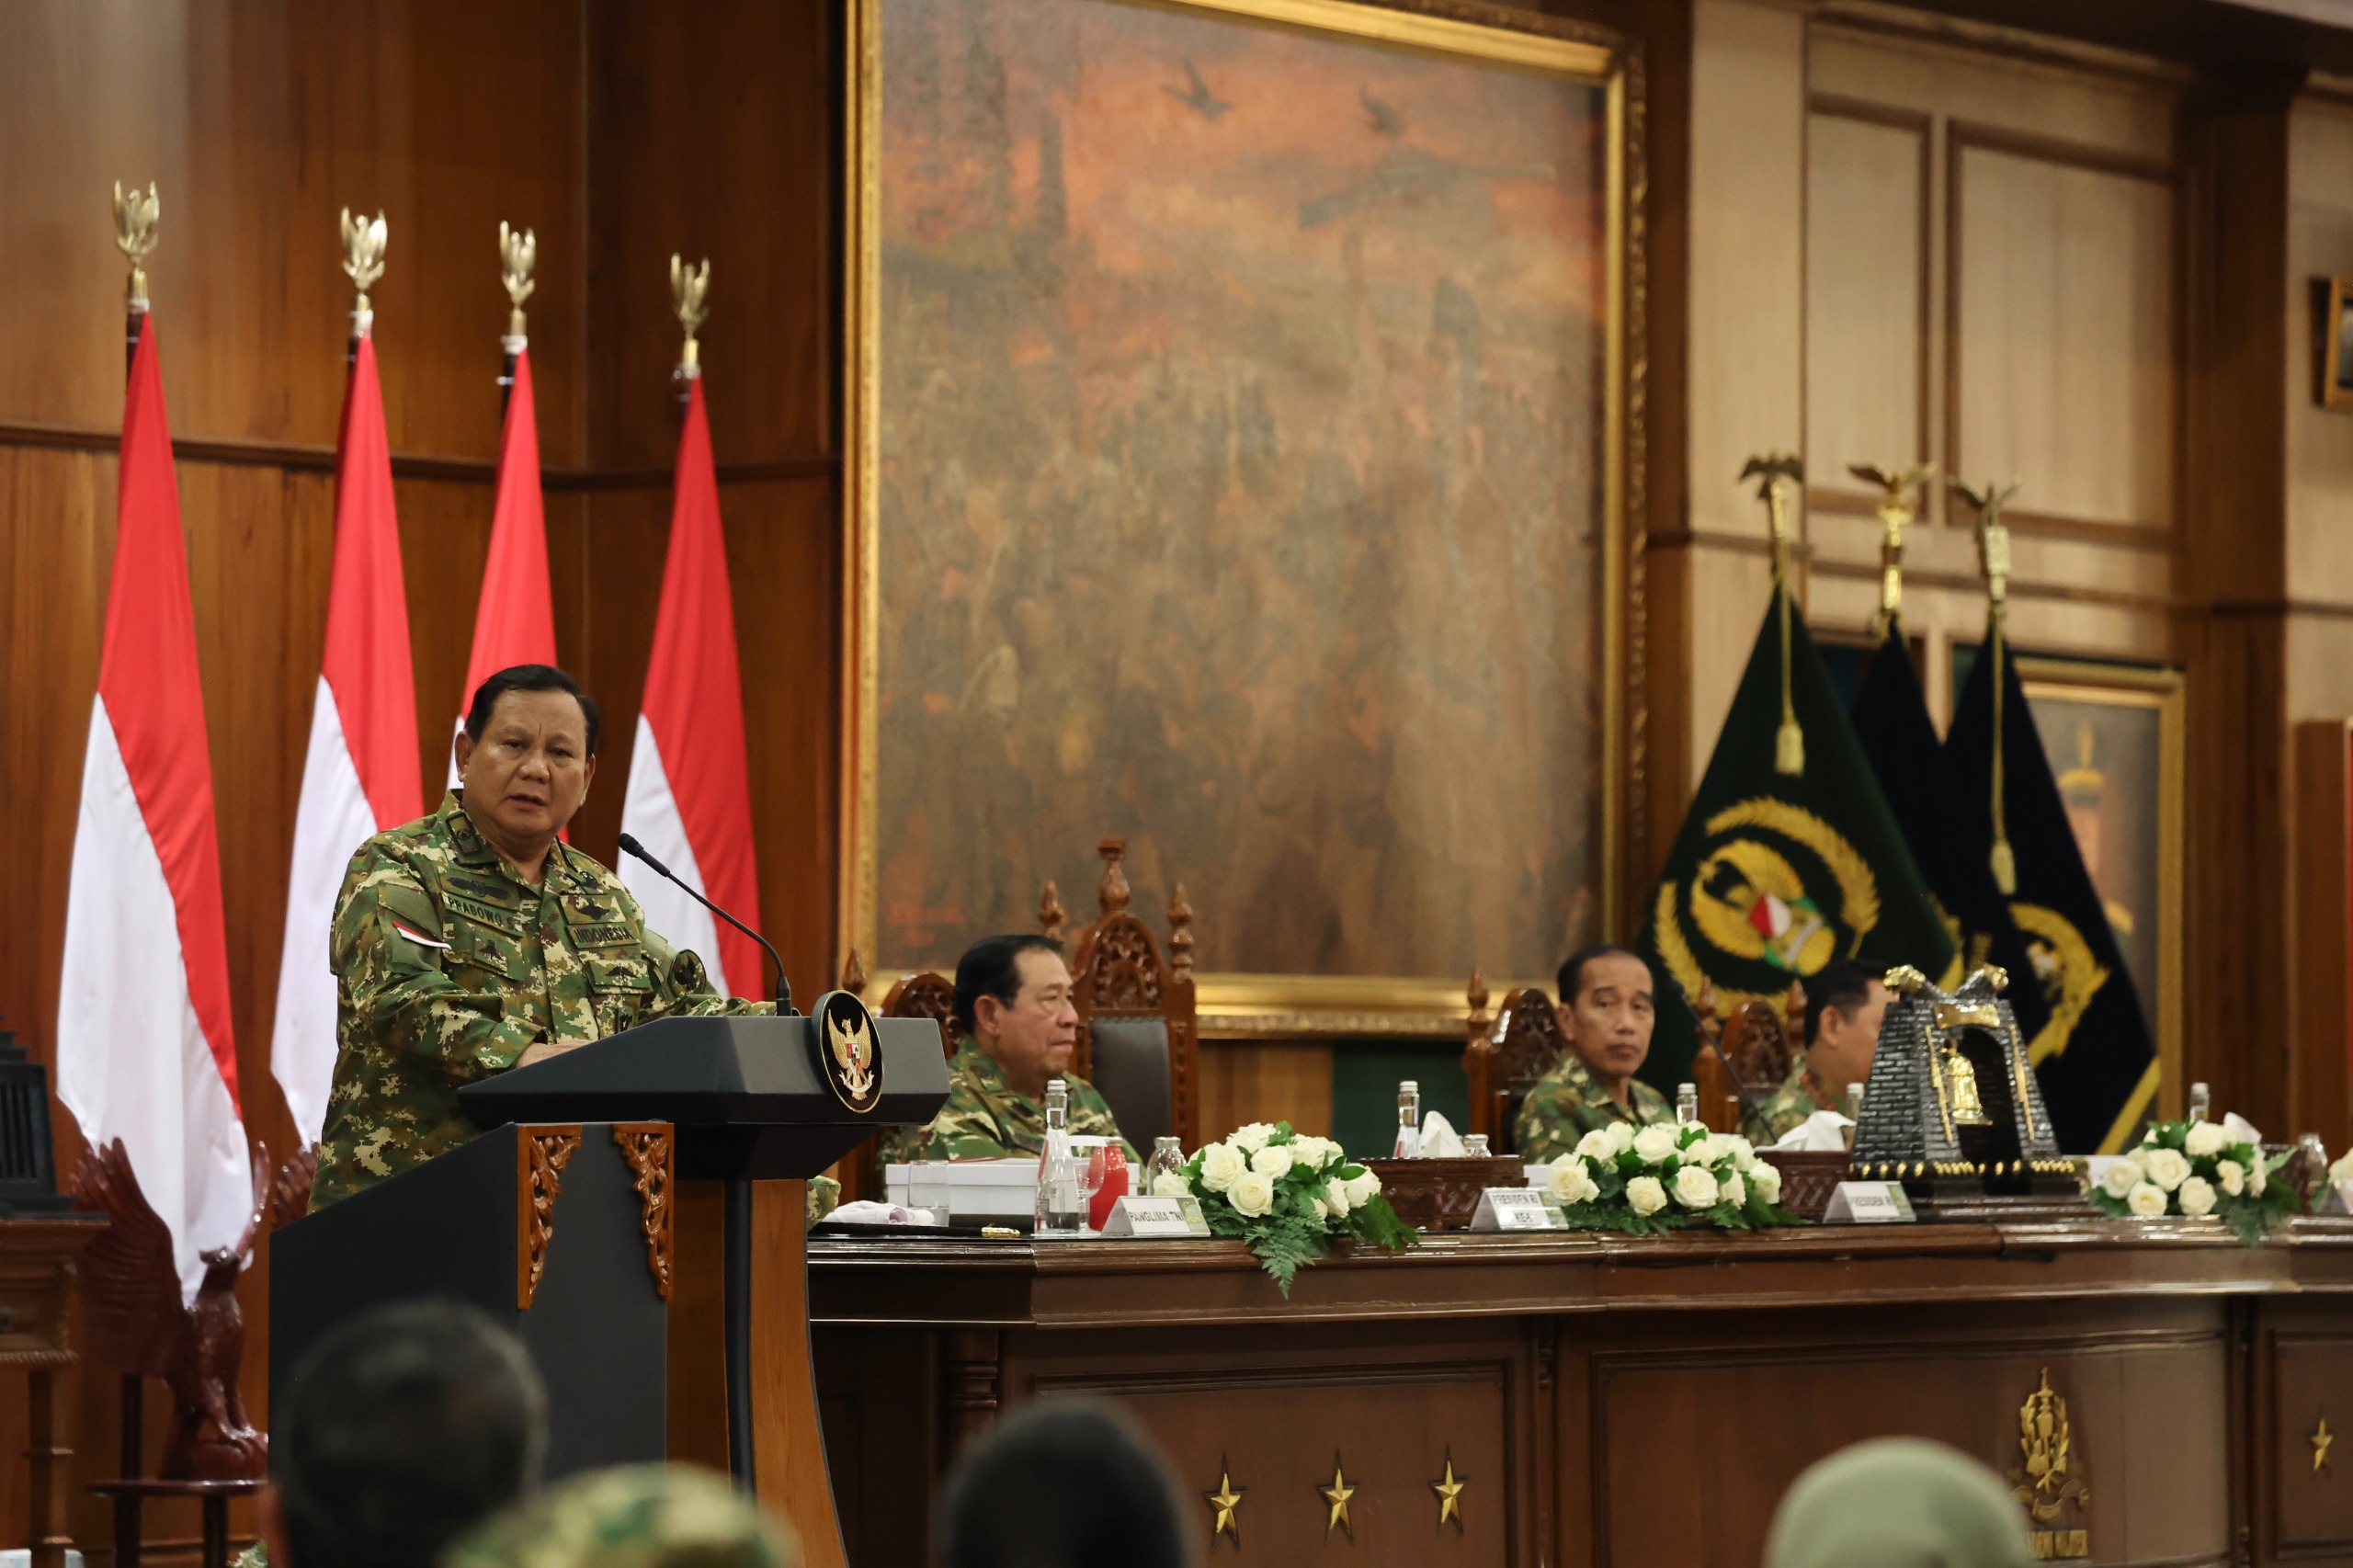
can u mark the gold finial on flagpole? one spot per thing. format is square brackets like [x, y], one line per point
[1775, 472]
[363, 263]
[517, 254]
[134, 234]
[1994, 555]
[1897, 508]
[687, 286]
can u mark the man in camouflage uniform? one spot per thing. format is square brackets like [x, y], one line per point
[472, 941]
[1018, 1029]
[639, 1516]
[1607, 1011]
[1844, 1004]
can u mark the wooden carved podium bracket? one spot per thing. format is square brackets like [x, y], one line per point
[647, 1146]
[540, 1154]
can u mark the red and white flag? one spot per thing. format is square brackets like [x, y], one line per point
[361, 775]
[690, 797]
[146, 1051]
[514, 622]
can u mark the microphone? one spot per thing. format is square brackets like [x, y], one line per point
[629, 846]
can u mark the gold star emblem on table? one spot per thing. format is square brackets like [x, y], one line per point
[1337, 1496]
[2320, 1438]
[1450, 1494]
[1227, 1501]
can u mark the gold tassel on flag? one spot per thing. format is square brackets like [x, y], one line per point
[1776, 471]
[1896, 510]
[1994, 554]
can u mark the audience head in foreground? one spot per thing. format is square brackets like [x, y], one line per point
[1898, 1503]
[1607, 1010]
[640, 1515]
[406, 1426]
[1067, 1482]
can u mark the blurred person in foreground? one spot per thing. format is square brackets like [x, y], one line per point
[1068, 1483]
[405, 1427]
[639, 1516]
[1898, 1503]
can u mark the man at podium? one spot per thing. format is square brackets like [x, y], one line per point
[474, 941]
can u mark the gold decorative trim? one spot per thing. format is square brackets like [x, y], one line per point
[1226, 1503]
[649, 1147]
[1449, 1490]
[1491, 34]
[1335, 1498]
[540, 1154]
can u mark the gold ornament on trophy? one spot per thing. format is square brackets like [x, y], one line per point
[1897, 508]
[134, 236]
[1994, 554]
[687, 286]
[1775, 472]
[517, 254]
[363, 262]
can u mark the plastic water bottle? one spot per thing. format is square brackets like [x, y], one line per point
[1167, 1159]
[1409, 1121]
[1061, 1211]
[2201, 1103]
[1686, 1104]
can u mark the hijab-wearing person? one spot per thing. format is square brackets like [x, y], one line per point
[1898, 1503]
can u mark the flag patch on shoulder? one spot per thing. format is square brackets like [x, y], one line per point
[419, 937]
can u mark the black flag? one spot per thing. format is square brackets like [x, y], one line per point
[1946, 834]
[2093, 1052]
[1777, 871]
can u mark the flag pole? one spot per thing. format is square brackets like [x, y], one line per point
[518, 255]
[1897, 508]
[1775, 472]
[363, 263]
[134, 234]
[1994, 555]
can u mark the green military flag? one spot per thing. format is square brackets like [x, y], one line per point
[1777, 871]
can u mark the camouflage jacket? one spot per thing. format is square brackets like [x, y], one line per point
[629, 1516]
[1569, 1102]
[449, 965]
[984, 1119]
[1798, 1097]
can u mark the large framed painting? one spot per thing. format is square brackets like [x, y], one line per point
[1240, 424]
[2113, 733]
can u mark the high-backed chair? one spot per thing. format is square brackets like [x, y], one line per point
[1504, 1059]
[1138, 1036]
[1753, 1046]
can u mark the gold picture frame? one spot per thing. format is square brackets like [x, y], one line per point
[2333, 339]
[1261, 1005]
[2137, 856]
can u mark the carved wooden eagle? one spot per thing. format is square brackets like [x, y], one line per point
[138, 1322]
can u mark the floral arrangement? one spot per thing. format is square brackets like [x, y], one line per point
[1287, 1194]
[1667, 1177]
[2198, 1168]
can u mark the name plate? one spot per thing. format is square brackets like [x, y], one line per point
[1137, 1216]
[1869, 1203]
[1518, 1208]
[2339, 1200]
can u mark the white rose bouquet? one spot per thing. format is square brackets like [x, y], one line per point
[2198, 1168]
[1288, 1194]
[1666, 1178]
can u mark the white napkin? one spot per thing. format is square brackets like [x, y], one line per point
[866, 1211]
[1439, 1140]
[1824, 1132]
[2240, 1127]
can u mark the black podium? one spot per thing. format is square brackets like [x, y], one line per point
[622, 1192]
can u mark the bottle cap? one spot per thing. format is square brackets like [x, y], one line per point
[1407, 1085]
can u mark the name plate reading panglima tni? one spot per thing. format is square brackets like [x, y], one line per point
[1147, 1217]
[1518, 1208]
[1869, 1203]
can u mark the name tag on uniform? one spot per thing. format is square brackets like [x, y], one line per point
[1138, 1216]
[1518, 1208]
[1869, 1203]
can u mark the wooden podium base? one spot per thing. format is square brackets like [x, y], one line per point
[789, 1446]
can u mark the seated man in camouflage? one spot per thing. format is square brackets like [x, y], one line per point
[1607, 1011]
[1844, 1004]
[1017, 1028]
[472, 941]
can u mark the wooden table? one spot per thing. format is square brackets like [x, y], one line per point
[1623, 1401]
[35, 1290]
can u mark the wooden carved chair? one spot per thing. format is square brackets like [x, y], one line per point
[1504, 1058]
[1138, 1036]
[1757, 1043]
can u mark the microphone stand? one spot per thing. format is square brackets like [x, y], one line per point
[736, 1274]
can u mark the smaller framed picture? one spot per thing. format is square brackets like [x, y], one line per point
[2334, 297]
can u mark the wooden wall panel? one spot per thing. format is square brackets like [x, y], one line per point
[1867, 290]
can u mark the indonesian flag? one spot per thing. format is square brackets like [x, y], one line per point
[145, 1048]
[361, 775]
[690, 787]
[515, 623]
